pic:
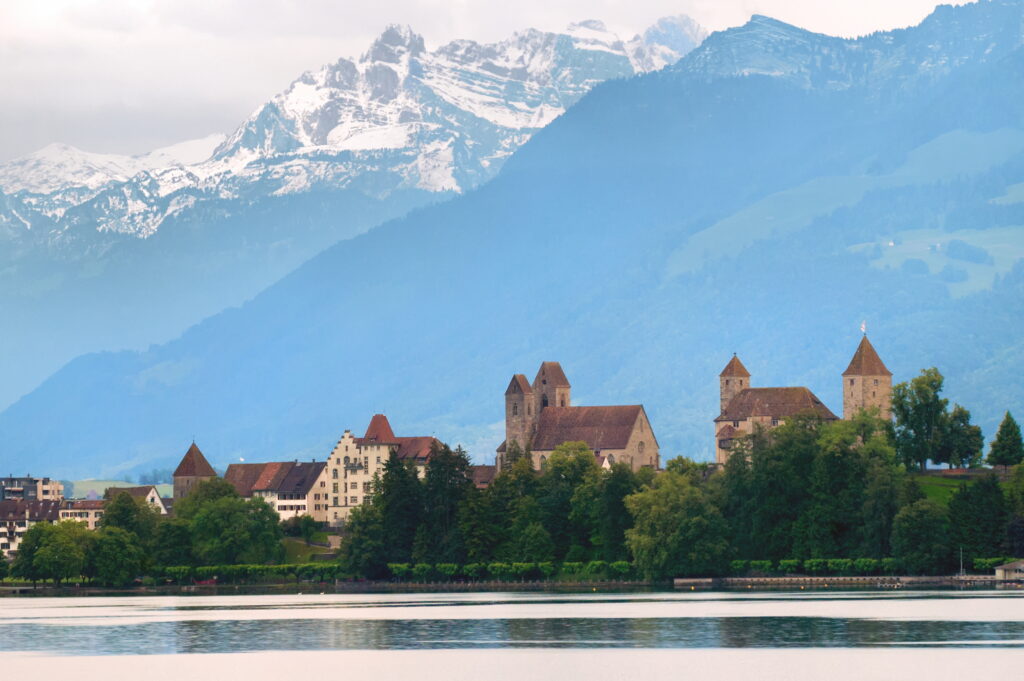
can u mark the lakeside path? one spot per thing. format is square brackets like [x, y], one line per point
[813, 664]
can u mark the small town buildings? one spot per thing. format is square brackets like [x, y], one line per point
[355, 461]
[1011, 571]
[18, 515]
[147, 493]
[193, 469]
[482, 476]
[30, 488]
[292, 488]
[540, 417]
[88, 511]
[867, 383]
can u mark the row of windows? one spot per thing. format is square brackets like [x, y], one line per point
[291, 507]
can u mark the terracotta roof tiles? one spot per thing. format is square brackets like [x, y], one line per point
[735, 369]
[866, 361]
[552, 373]
[599, 427]
[776, 403]
[194, 464]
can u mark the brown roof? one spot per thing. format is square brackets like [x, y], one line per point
[272, 475]
[599, 427]
[38, 509]
[778, 403]
[519, 384]
[379, 430]
[85, 504]
[243, 476]
[134, 492]
[735, 369]
[415, 447]
[553, 374]
[194, 464]
[301, 476]
[727, 432]
[482, 476]
[866, 361]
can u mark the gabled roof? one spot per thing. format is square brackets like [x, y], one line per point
[600, 427]
[866, 361]
[735, 369]
[243, 476]
[776, 403]
[301, 477]
[84, 504]
[36, 509]
[194, 464]
[379, 430]
[415, 447]
[551, 372]
[482, 476]
[133, 492]
[271, 476]
[727, 432]
[519, 384]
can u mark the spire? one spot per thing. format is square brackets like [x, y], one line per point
[194, 464]
[735, 368]
[866, 361]
[379, 429]
[519, 384]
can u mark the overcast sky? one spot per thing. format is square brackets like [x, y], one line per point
[127, 76]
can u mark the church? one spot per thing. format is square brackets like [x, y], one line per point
[867, 383]
[539, 417]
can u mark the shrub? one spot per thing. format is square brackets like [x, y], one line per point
[989, 564]
[421, 572]
[761, 566]
[500, 570]
[179, 574]
[595, 569]
[890, 566]
[866, 566]
[523, 571]
[621, 568]
[399, 571]
[572, 567]
[840, 566]
[475, 570]
[546, 569]
[788, 566]
[816, 566]
[447, 570]
[738, 567]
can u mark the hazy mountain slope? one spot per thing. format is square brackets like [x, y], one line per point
[581, 251]
[341, 149]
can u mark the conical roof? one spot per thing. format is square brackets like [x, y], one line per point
[194, 464]
[735, 369]
[379, 429]
[866, 361]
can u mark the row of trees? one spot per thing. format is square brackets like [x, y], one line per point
[212, 526]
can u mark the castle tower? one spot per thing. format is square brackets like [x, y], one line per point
[551, 388]
[734, 379]
[867, 383]
[520, 412]
[193, 469]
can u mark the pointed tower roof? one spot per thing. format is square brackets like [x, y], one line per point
[519, 384]
[194, 464]
[866, 361]
[735, 369]
[552, 373]
[379, 429]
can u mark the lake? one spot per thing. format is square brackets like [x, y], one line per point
[702, 635]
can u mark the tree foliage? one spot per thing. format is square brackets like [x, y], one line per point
[1008, 448]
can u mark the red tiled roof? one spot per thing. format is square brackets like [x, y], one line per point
[415, 447]
[379, 430]
[272, 475]
[727, 432]
[84, 504]
[866, 361]
[482, 476]
[553, 374]
[134, 492]
[243, 476]
[735, 369]
[599, 427]
[519, 384]
[777, 403]
[38, 509]
[194, 464]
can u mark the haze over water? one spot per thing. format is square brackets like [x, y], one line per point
[933, 635]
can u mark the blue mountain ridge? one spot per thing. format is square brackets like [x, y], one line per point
[763, 196]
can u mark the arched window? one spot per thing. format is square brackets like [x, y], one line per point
[611, 459]
[640, 447]
[563, 401]
[543, 461]
[346, 459]
[515, 410]
[543, 401]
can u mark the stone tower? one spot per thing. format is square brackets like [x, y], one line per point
[193, 469]
[520, 412]
[867, 383]
[733, 379]
[551, 387]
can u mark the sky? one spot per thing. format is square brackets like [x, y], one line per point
[128, 76]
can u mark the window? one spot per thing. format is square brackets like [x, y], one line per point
[640, 447]
[775, 422]
[543, 401]
[515, 410]
[735, 424]
[876, 381]
[851, 381]
[528, 410]
[346, 458]
[741, 382]
[378, 460]
[353, 486]
[563, 402]
[334, 473]
[335, 504]
[334, 488]
[353, 500]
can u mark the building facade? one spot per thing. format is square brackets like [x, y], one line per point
[867, 384]
[88, 511]
[146, 493]
[540, 416]
[292, 488]
[30, 488]
[18, 515]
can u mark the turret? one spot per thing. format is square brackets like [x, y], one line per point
[520, 412]
[551, 387]
[734, 379]
[867, 383]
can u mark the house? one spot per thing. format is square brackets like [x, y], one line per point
[540, 417]
[482, 476]
[356, 461]
[193, 469]
[29, 487]
[147, 493]
[867, 383]
[88, 511]
[18, 515]
[1011, 571]
[292, 488]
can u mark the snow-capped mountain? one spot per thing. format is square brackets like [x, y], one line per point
[398, 117]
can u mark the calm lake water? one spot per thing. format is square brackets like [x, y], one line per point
[642, 627]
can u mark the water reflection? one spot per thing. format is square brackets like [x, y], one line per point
[348, 634]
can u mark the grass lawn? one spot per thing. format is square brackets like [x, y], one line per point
[939, 489]
[296, 550]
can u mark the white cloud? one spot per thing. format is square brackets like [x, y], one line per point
[130, 75]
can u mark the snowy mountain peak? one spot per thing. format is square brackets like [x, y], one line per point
[393, 44]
